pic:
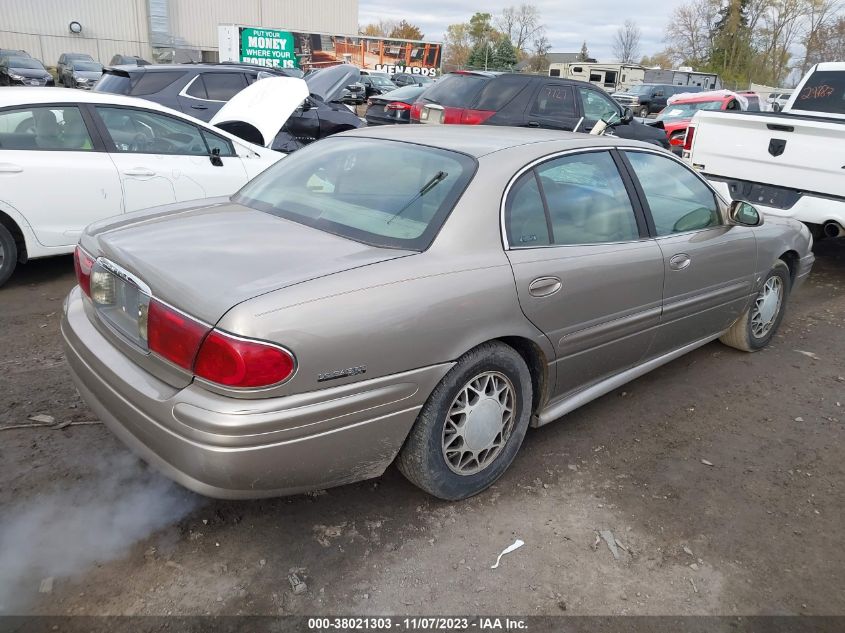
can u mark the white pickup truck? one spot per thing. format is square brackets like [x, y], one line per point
[789, 163]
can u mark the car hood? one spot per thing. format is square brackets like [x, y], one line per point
[258, 112]
[329, 83]
[87, 74]
[205, 259]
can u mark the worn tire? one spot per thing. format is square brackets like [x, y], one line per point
[8, 254]
[422, 458]
[740, 336]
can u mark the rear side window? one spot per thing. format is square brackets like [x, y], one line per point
[338, 186]
[554, 101]
[525, 214]
[223, 86]
[500, 92]
[47, 128]
[114, 83]
[823, 92]
[197, 88]
[150, 83]
[456, 91]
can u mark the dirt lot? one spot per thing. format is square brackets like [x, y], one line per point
[721, 477]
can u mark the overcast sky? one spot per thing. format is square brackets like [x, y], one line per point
[567, 23]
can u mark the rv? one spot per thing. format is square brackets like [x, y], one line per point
[684, 76]
[611, 77]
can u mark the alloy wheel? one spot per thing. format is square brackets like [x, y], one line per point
[479, 423]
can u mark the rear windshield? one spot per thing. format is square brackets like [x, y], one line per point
[455, 91]
[823, 92]
[113, 83]
[687, 110]
[385, 193]
[137, 83]
[408, 93]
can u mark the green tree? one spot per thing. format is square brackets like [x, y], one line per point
[481, 57]
[584, 55]
[406, 31]
[504, 57]
[480, 28]
[457, 45]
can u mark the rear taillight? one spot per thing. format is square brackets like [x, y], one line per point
[416, 109]
[677, 138]
[398, 105]
[688, 138]
[475, 117]
[83, 263]
[243, 363]
[173, 335]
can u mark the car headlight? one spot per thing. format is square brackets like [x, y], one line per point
[14, 76]
[81, 80]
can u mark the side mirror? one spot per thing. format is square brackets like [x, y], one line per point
[214, 157]
[743, 213]
[627, 115]
[307, 105]
[776, 107]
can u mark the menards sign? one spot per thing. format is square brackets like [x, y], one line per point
[280, 48]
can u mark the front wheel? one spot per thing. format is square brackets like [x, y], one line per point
[471, 427]
[643, 112]
[758, 324]
[8, 254]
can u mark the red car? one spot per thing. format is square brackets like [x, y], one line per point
[676, 116]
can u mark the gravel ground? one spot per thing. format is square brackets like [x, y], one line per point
[719, 478]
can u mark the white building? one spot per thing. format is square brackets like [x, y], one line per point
[157, 30]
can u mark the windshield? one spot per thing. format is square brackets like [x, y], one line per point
[823, 92]
[639, 90]
[385, 193]
[24, 62]
[687, 110]
[88, 67]
[380, 80]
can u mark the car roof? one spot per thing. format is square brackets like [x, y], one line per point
[221, 67]
[480, 140]
[26, 96]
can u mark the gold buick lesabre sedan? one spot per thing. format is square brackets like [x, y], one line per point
[418, 294]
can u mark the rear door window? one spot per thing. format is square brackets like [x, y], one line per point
[823, 92]
[456, 90]
[554, 101]
[499, 92]
[50, 128]
[223, 86]
[197, 89]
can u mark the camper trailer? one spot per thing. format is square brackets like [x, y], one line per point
[684, 76]
[611, 77]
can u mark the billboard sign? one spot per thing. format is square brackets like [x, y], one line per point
[280, 48]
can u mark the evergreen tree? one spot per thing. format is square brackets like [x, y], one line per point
[584, 55]
[504, 57]
[479, 56]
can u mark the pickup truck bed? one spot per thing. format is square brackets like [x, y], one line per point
[786, 164]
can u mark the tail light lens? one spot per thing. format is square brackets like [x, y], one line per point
[173, 335]
[678, 138]
[398, 105]
[416, 109]
[237, 362]
[83, 263]
[475, 117]
[689, 138]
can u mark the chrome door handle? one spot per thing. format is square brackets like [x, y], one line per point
[679, 261]
[533, 124]
[9, 168]
[138, 171]
[544, 286]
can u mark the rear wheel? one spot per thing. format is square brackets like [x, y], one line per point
[8, 254]
[472, 425]
[756, 327]
[643, 111]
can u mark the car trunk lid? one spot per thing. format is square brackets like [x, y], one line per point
[205, 260]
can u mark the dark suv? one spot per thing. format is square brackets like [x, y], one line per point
[196, 89]
[488, 98]
[645, 99]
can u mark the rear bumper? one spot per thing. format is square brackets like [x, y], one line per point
[235, 448]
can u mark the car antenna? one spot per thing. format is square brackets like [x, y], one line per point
[431, 184]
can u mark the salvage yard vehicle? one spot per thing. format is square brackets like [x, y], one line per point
[646, 99]
[63, 76]
[201, 90]
[83, 74]
[675, 117]
[789, 163]
[492, 98]
[392, 107]
[318, 325]
[69, 159]
[24, 71]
